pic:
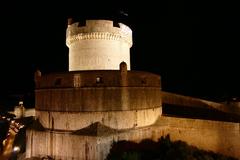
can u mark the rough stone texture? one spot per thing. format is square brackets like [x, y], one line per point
[98, 45]
[118, 99]
[98, 99]
[62, 146]
[221, 137]
[114, 119]
[29, 112]
[180, 100]
[109, 78]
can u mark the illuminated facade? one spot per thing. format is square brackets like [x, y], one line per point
[98, 45]
[80, 113]
[98, 89]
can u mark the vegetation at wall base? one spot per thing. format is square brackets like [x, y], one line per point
[163, 149]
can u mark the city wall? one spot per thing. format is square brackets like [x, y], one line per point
[70, 121]
[181, 100]
[98, 99]
[220, 137]
[118, 99]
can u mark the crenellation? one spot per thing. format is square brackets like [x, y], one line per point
[102, 28]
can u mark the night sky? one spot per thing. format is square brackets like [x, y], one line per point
[193, 46]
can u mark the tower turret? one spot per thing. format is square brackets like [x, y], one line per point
[98, 45]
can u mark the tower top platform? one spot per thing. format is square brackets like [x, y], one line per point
[98, 29]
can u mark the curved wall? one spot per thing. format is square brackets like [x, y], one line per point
[118, 99]
[70, 121]
[98, 54]
[97, 99]
[98, 45]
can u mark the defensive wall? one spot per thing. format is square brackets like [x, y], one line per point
[95, 143]
[181, 100]
[94, 139]
[80, 113]
[119, 99]
[92, 130]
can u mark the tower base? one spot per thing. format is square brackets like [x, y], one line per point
[94, 141]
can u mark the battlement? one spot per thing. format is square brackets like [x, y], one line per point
[98, 29]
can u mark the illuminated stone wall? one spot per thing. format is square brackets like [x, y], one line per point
[220, 137]
[98, 45]
[181, 100]
[114, 119]
[129, 102]
[121, 99]
[98, 99]
[109, 78]
[61, 146]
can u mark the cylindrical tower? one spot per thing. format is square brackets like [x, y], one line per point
[100, 95]
[74, 100]
[98, 45]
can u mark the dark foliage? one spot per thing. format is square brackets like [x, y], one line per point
[164, 149]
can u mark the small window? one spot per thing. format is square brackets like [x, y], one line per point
[99, 80]
[144, 81]
[116, 24]
[76, 81]
[58, 82]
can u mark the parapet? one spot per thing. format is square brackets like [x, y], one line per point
[98, 79]
[98, 29]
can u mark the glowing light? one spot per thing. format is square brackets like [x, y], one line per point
[16, 149]
[20, 103]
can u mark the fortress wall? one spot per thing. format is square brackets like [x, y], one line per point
[29, 112]
[112, 119]
[217, 136]
[65, 146]
[180, 100]
[110, 78]
[61, 146]
[97, 99]
[221, 137]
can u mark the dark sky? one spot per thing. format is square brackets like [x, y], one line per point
[193, 46]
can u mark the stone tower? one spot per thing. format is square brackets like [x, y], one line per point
[98, 45]
[99, 95]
